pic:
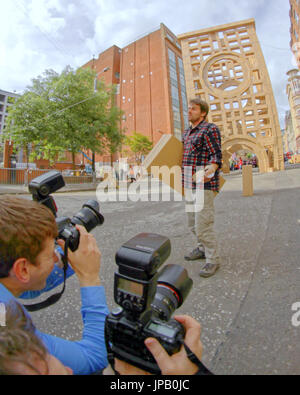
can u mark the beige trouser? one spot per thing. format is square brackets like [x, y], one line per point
[201, 224]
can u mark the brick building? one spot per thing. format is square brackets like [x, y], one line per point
[151, 91]
[107, 67]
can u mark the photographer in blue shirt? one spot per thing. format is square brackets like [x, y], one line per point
[28, 267]
[23, 353]
[29, 264]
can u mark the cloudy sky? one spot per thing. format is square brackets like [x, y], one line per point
[36, 35]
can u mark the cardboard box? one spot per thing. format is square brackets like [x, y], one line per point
[165, 160]
[247, 174]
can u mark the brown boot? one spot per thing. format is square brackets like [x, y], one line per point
[195, 255]
[209, 270]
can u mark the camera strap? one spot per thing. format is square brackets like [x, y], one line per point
[110, 354]
[55, 297]
[203, 371]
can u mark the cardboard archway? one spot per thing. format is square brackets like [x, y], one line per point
[234, 144]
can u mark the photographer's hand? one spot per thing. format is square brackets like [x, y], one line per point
[178, 364]
[86, 260]
[125, 369]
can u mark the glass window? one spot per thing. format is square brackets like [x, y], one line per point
[178, 127]
[170, 37]
[176, 115]
[174, 92]
[173, 76]
[178, 134]
[183, 93]
[172, 56]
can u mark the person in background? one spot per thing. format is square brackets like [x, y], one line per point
[131, 174]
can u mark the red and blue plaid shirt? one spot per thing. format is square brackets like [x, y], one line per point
[201, 147]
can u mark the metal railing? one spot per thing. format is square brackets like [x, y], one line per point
[24, 176]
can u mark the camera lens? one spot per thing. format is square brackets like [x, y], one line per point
[89, 216]
[173, 286]
[44, 190]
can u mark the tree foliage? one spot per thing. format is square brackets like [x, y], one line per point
[139, 144]
[63, 112]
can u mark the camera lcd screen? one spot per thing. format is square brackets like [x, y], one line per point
[130, 286]
[162, 330]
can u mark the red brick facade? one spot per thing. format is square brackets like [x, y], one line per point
[144, 84]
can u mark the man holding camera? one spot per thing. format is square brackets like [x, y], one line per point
[27, 261]
[23, 352]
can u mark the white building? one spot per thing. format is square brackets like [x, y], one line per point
[7, 99]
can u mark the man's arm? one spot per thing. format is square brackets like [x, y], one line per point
[214, 146]
[89, 354]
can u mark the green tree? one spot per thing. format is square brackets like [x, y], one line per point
[139, 144]
[114, 136]
[61, 112]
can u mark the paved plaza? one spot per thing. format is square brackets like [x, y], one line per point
[246, 308]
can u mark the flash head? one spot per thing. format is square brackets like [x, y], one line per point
[44, 185]
[142, 256]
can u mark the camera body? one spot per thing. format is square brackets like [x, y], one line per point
[147, 299]
[127, 339]
[67, 231]
[89, 216]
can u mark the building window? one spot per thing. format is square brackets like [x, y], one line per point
[174, 92]
[178, 133]
[183, 94]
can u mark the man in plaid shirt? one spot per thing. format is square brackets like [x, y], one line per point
[201, 163]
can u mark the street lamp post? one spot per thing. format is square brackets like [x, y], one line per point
[96, 79]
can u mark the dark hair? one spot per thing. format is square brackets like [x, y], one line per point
[24, 227]
[204, 107]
